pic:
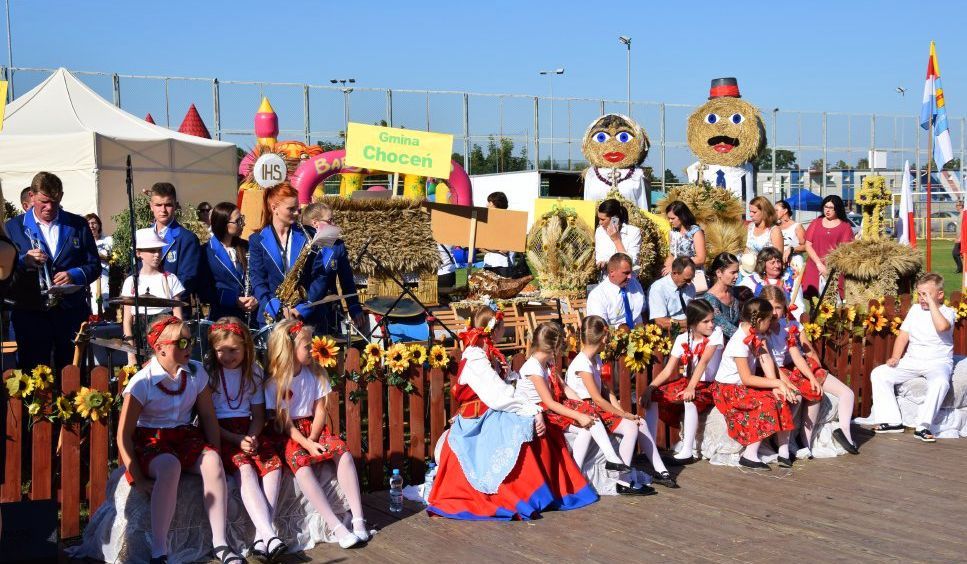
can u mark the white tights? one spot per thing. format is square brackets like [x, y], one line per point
[846, 399]
[348, 483]
[751, 452]
[165, 470]
[260, 504]
[689, 427]
[600, 435]
[646, 441]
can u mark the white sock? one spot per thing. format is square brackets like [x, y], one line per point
[689, 429]
[751, 452]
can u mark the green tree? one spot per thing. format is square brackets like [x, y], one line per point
[953, 164]
[818, 165]
[327, 146]
[841, 164]
[498, 158]
[863, 163]
[670, 177]
[785, 160]
[651, 178]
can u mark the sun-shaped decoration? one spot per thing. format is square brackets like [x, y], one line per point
[324, 351]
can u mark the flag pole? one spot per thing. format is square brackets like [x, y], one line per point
[929, 189]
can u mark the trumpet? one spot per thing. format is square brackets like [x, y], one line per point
[43, 275]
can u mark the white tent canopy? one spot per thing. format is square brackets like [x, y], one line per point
[64, 127]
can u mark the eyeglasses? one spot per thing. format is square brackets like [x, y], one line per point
[182, 343]
[239, 222]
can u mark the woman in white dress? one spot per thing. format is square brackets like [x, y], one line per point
[793, 237]
[99, 288]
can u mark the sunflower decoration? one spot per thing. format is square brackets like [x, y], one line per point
[63, 409]
[372, 358]
[826, 310]
[43, 376]
[92, 404]
[19, 385]
[33, 408]
[418, 354]
[849, 314]
[638, 356]
[875, 320]
[895, 325]
[439, 357]
[961, 310]
[324, 351]
[125, 373]
[397, 358]
[812, 331]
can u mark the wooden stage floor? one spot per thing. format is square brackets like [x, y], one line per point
[899, 500]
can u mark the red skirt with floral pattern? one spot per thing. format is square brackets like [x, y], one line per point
[186, 443]
[671, 407]
[297, 457]
[265, 459]
[802, 383]
[751, 414]
[588, 407]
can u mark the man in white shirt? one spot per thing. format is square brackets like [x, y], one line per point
[669, 295]
[927, 335]
[619, 299]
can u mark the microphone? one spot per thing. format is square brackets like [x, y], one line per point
[362, 251]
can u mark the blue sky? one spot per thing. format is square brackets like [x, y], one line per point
[823, 56]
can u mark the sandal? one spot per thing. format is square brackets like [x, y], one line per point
[280, 548]
[255, 551]
[226, 555]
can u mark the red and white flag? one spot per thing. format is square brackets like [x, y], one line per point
[906, 233]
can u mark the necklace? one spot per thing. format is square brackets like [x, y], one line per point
[608, 182]
[168, 391]
[228, 398]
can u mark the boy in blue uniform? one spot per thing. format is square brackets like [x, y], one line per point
[54, 243]
[183, 253]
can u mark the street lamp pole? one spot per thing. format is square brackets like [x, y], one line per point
[775, 113]
[345, 102]
[550, 82]
[9, 56]
[626, 41]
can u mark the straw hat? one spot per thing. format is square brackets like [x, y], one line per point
[146, 239]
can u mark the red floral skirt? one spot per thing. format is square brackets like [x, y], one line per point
[588, 407]
[671, 407]
[751, 414]
[265, 459]
[297, 457]
[802, 383]
[186, 443]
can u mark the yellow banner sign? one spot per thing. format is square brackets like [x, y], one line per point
[406, 151]
[3, 101]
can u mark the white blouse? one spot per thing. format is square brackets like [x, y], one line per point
[479, 374]
[306, 389]
[241, 399]
[715, 340]
[582, 363]
[160, 410]
[526, 391]
[728, 372]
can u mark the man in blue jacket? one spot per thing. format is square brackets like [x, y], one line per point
[183, 253]
[55, 246]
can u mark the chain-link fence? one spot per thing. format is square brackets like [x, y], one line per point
[503, 132]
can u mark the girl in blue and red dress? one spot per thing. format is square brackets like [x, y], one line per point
[236, 383]
[755, 407]
[499, 460]
[799, 364]
[296, 391]
[156, 440]
[680, 395]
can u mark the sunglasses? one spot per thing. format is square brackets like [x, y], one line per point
[182, 343]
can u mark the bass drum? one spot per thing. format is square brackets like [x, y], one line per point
[199, 330]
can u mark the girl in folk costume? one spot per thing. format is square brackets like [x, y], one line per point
[769, 271]
[684, 385]
[499, 461]
[296, 391]
[584, 378]
[236, 384]
[539, 385]
[156, 441]
[273, 251]
[799, 365]
[755, 407]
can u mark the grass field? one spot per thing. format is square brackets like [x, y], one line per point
[943, 262]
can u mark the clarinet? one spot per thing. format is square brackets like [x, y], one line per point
[247, 290]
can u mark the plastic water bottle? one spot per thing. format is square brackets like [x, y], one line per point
[428, 482]
[396, 492]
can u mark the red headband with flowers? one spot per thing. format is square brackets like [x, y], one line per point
[233, 328]
[296, 328]
[158, 327]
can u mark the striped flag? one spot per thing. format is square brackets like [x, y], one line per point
[935, 110]
[906, 233]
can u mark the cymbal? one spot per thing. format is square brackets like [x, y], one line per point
[381, 304]
[114, 344]
[341, 340]
[332, 298]
[147, 300]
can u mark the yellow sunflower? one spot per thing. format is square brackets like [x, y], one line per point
[638, 357]
[373, 351]
[125, 373]
[850, 314]
[93, 404]
[63, 408]
[812, 331]
[417, 354]
[397, 358]
[33, 408]
[43, 376]
[19, 385]
[961, 310]
[439, 357]
[826, 309]
[324, 351]
[895, 325]
[874, 322]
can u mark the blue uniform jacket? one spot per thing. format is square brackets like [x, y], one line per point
[267, 269]
[222, 281]
[330, 264]
[182, 255]
[76, 254]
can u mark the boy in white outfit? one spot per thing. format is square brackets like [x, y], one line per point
[927, 335]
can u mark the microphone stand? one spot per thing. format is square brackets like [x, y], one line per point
[139, 324]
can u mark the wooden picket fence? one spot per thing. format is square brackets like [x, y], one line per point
[385, 428]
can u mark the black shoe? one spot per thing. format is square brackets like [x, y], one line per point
[888, 428]
[226, 555]
[840, 437]
[664, 479]
[672, 461]
[159, 560]
[755, 465]
[639, 491]
[925, 435]
[617, 467]
[784, 462]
